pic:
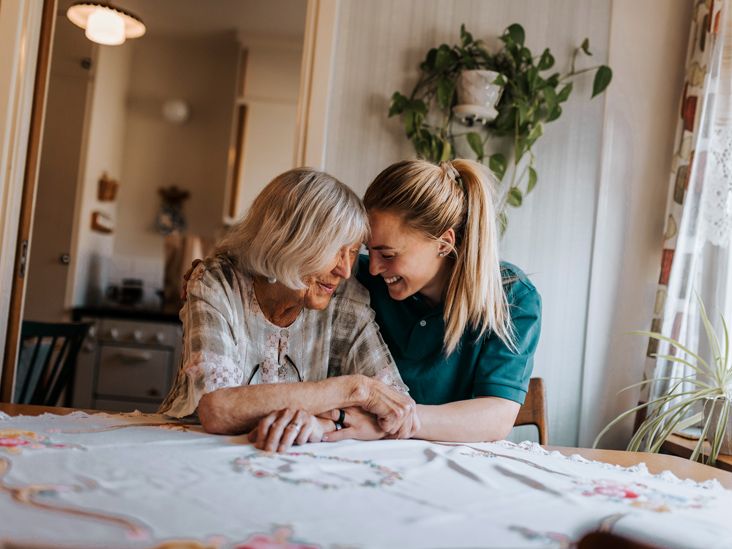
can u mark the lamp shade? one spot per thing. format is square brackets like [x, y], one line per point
[105, 23]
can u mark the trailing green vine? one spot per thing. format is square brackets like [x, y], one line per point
[529, 101]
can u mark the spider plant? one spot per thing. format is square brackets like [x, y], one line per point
[707, 385]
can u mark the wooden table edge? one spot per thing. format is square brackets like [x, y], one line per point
[683, 447]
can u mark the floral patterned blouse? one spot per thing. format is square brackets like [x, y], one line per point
[228, 342]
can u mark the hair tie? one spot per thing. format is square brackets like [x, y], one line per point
[452, 172]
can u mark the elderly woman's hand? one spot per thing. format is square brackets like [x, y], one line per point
[396, 411]
[278, 431]
[357, 424]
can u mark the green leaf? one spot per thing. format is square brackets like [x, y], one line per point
[419, 106]
[603, 76]
[532, 180]
[546, 61]
[525, 55]
[497, 164]
[563, 94]
[398, 104]
[445, 89]
[523, 110]
[500, 80]
[465, 36]
[536, 132]
[410, 123]
[446, 151]
[550, 98]
[444, 58]
[502, 222]
[553, 80]
[516, 33]
[556, 113]
[428, 65]
[586, 46]
[476, 143]
[531, 77]
[515, 197]
[521, 147]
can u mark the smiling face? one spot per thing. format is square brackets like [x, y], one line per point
[322, 285]
[408, 260]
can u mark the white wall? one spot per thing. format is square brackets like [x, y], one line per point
[557, 236]
[647, 51]
[102, 152]
[270, 95]
[379, 47]
[157, 153]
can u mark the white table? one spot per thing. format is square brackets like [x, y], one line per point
[140, 481]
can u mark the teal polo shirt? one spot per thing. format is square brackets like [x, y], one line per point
[482, 366]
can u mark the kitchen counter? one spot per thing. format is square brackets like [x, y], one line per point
[143, 313]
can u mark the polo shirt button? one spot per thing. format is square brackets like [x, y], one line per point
[423, 323]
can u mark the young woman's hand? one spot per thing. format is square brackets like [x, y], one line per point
[357, 424]
[278, 431]
[396, 411]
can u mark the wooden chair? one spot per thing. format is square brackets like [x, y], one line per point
[533, 412]
[47, 360]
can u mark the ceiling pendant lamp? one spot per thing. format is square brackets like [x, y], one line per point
[105, 23]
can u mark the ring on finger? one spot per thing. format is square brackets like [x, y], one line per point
[294, 425]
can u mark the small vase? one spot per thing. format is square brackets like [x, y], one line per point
[477, 96]
[713, 407]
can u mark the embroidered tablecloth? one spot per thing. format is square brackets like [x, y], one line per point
[139, 481]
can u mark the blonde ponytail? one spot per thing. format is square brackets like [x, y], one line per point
[454, 195]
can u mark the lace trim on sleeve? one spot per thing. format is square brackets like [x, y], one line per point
[208, 372]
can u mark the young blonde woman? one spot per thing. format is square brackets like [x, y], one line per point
[461, 325]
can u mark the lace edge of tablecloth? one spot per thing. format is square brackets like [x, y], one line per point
[640, 468]
[79, 414]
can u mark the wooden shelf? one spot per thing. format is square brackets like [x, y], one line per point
[683, 447]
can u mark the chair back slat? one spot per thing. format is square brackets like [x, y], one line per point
[533, 411]
[48, 354]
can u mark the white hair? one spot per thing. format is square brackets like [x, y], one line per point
[295, 227]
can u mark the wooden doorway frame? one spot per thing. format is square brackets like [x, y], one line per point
[30, 181]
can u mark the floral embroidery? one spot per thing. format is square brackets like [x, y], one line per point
[638, 495]
[247, 464]
[14, 441]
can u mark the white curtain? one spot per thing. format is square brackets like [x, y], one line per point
[696, 256]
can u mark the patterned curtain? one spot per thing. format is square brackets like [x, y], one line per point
[696, 255]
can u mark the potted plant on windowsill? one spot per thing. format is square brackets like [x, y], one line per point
[707, 386]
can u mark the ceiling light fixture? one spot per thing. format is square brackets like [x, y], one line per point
[105, 23]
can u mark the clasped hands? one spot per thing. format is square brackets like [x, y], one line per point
[384, 413]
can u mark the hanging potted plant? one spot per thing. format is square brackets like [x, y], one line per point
[706, 386]
[452, 107]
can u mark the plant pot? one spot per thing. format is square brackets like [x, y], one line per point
[713, 407]
[477, 96]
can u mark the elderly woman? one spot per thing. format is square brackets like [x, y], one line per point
[274, 332]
